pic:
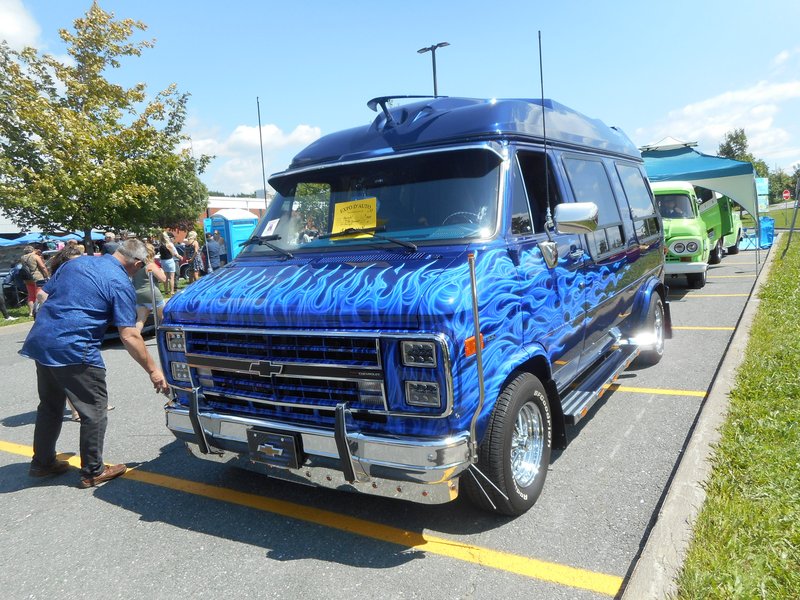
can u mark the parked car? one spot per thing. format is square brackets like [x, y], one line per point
[470, 291]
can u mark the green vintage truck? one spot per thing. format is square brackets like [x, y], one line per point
[700, 226]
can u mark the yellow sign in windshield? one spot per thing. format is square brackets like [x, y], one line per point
[356, 214]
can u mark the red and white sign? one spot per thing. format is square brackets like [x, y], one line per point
[786, 194]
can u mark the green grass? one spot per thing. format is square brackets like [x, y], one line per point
[747, 537]
[783, 218]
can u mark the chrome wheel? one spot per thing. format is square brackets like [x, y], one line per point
[527, 445]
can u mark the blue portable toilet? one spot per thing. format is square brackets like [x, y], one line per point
[235, 225]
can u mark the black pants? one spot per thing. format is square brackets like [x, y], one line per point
[85, 386]
[3, 302]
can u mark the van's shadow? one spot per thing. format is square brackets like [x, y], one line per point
[308, 535]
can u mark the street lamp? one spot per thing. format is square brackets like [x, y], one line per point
[432, 50]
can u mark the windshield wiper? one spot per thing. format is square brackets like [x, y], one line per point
[371, 230]
[264, 240]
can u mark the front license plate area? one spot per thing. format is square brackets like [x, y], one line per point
[274, 448]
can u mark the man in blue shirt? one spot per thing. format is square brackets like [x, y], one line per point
[84, 296]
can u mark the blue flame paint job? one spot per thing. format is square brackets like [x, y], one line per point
[520, 317]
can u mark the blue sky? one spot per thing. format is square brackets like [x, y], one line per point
[690, 69]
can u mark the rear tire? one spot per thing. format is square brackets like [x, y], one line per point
[515, 451]
[656, 326]
[716, 254]
[735, 248]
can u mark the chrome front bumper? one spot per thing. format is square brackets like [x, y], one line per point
[420, 470]
[682, 268]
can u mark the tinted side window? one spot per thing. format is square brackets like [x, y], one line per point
[645, 217]
[589, 182]
[636, 191]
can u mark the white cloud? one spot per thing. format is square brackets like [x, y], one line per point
[765, 111]
[237, 166]
[17, 26]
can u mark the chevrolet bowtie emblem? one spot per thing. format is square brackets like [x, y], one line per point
[265, 368]
[269, 450]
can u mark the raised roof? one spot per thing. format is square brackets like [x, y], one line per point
[445, 120]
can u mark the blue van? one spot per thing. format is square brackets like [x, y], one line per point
[427, 305]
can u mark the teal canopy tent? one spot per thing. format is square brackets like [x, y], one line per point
[679, 162]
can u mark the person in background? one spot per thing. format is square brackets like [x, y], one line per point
[145, 302]
[223, 251]
[193, 256]
[33, 261]
[168, 254]
[3, 308]
[212, 253]
[111, 244]
[86, 294]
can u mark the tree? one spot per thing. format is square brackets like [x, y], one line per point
[78, 151]
[734, 145]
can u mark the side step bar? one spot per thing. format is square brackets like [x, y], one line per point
[581, 396]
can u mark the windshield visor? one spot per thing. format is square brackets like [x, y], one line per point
[675, 206]
[426, 198]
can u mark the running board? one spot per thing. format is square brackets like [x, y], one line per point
[581, 396]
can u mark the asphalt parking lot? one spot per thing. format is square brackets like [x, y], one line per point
[175, 526]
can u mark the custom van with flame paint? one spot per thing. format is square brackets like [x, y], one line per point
[428, 304]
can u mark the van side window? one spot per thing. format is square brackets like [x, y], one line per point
[521, 223]
[589, 182]
[643, 211]
[533, 172]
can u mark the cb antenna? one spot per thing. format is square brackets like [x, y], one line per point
[261, 143]
[548, 215]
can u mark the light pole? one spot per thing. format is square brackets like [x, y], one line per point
[432, 50]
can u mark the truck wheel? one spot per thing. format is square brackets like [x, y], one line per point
[696, 280]
[716, 254]
[655, 326]
[735, 248]
[515, 451]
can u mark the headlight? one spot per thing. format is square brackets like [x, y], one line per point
[691, 247]
[418, 354]
[180, 371]
[422, 393]
[176, 341]
[678, 247]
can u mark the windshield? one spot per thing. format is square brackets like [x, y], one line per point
[425, 198]
[675, 206]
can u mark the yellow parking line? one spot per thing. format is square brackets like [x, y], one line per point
[702, 328]
[659, 391]
[486, 557]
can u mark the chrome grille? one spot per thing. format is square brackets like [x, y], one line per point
[339, 350]
[249, 372]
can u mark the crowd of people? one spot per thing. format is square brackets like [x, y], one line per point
[189, 259]
[73, 298]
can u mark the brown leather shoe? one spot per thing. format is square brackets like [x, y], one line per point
[110, 472]
[56, 468]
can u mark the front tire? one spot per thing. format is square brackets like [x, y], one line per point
[696, 280]
[515, 451]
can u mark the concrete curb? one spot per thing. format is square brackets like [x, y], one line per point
[661, 560]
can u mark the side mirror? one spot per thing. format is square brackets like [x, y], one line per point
[576, 217]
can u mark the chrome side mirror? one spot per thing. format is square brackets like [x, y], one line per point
[576, 217]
